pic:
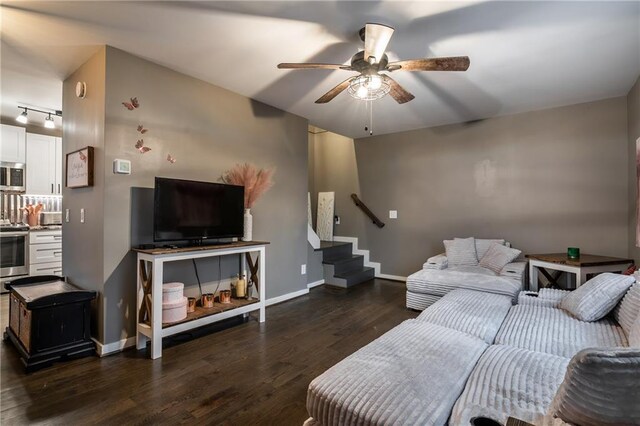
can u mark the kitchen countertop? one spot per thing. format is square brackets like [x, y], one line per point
[45, 228]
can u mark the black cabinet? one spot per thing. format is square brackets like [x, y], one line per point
[49, 320]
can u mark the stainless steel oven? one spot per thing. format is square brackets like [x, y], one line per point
[14, 252]
[12, 176]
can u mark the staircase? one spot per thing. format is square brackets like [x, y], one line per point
[342, 268]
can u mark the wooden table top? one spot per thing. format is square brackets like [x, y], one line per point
[583, 260]
[169, 250]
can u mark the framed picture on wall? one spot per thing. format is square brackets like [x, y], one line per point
[80, 168]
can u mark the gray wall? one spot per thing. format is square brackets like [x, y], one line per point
[633, 126]
[207, 129]
[83, 124]
[544, 180]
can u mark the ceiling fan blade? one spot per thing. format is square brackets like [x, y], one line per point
[310, 65]
[376, 39]
[334, 92]
[398, 92]
[453, 63]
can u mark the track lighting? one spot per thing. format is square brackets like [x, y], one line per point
[48, 121]
[22, 118]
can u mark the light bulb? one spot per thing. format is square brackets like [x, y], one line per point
[48, 122]
[22, 118]
[375, 82]
[362, 92]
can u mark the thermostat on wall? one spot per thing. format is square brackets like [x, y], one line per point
[122, 167]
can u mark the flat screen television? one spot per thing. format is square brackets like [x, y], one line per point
[196, 211]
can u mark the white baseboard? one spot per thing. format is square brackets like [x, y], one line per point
[284, 297]
[315, 283]
[392, 277]
[109, 348]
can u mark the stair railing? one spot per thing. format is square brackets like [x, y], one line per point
[366, 211]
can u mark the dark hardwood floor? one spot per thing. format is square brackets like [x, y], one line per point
[246, 374]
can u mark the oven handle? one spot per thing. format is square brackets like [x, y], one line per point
[14, 234]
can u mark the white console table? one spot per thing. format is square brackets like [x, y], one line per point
[150, 267]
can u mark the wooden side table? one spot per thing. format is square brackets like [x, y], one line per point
[581, 267]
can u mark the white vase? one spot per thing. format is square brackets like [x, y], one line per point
[248, 225]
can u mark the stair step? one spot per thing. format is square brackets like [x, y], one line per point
[352, 262]
[335, 249]
[357, 276]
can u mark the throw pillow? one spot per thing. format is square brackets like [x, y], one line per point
[498, 256]
[595, 298]
[482, 245]
[461, 251]
[634, 334]
[628, 309]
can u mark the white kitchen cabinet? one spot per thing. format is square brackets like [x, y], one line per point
[59, 182]
[12, 146]
[44, 165]
[45, 252]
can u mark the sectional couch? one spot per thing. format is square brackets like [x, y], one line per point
[440, 275]
[474, 354]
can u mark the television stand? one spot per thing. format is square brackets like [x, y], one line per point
[150, 267]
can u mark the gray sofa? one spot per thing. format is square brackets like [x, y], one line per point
[438, 277]
[473, 354]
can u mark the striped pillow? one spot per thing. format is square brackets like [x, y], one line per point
[498, 256]
[595, 298]
[628, 309]
[482, 245]
[634, 334]
[461, 251]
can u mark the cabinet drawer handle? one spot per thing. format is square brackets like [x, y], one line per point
[52, 188]
[59, 189]
[57, 252]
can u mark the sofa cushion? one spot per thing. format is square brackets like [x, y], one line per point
[439, 283]
[473, 312]
[420, 301]
[634, 334]
[628, 309]
[482, 245]
[413, 374]
[601, 387]
[555, 332]
[498, 256]
[461, 251]
[597, 297]
[507, 382]
[548, 297]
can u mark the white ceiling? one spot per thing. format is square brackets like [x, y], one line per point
[524, 55]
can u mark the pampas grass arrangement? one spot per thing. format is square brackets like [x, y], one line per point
[255, 181]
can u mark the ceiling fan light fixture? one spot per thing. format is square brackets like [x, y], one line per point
[368, 87]
[22, 118]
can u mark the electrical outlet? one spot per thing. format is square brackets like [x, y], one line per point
[303, 269]
[393, 214]
[81, 215]
[336, 219]
[66, 215]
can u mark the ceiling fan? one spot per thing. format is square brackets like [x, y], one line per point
[370, 84]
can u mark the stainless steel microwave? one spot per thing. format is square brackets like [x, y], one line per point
[12, 176]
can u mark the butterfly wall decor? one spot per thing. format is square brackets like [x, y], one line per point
[141, 129]
[82, 156]
[171, 159]
[140, 147]
[133, 104]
